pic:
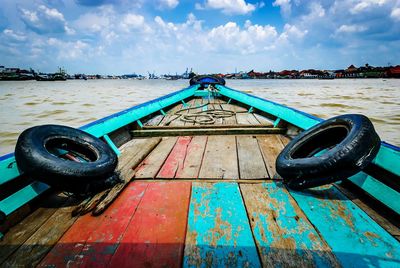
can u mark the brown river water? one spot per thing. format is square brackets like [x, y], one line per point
[28, 103]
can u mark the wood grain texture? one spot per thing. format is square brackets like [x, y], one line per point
[156, 234]
[153, 162]
[251, 163]
[134, 155]
[41, 242]
[246, 119]
[218, 232]
[191, 164]
[263, 120]
[373, 210]
[355, 239]
[270, 146]
[220, 158]
[283, 234]
[21, 232]
[92, 240]
[206, 131]
[228, 120]
[170, 117]
[175, 159]
[154, 121]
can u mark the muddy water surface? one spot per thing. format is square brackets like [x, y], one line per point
[75, 103]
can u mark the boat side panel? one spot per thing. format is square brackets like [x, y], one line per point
[372, 186]
[218, 233]
[387, 158]
[156, 233]
[284, 236]
[9, 169]
[355, 239]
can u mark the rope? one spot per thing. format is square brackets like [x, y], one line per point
[208, 117]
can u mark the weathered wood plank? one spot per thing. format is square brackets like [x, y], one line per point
[218, 232]
[284, 140]
[390, 222]
[21, 232]
[196, 103]
[96, 237]
[220, 158]
[233, 108]
[192, 161]
[283, 234]
[175, 159]
[251, 163]
[247, 119]
[153, 162]
[270, 146]
[132, 153]
[202, 126]
[263, 120]
[41, 242]
[206, 131]
[154, 121]
[156, 234]
[355, 239]
[170, 117]
[229, 120]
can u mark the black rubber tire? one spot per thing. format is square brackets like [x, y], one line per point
[352, 144]
[34, 159]
[208, 80]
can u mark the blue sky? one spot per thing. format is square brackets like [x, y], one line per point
[121, 36]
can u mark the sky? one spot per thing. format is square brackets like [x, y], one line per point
[210, 36]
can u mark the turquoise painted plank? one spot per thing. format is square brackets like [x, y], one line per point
[379, 190]
[21, 197]
[283, 234]
[355, 239]
[295, 117]
[388, 159]
[218, 232]
[126, 117]
[112, 145]
[8, 170]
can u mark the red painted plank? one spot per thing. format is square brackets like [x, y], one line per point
[194, 156]
[89, 236]
[175, 159]
[156, 234]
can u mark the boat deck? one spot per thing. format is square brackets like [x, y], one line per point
[206, 200]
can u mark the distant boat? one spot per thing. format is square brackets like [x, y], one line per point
[44, 77]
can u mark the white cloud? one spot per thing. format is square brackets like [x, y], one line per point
[395, 14]
[231, 37]
[363, 5]
[169, 4]
[132, 21]
[45, 20]
[93, 22]
[285, 5]
[13, 36]
[239, 7]
[351, 29]
[69, 50]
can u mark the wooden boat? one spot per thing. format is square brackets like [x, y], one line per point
[204, 195]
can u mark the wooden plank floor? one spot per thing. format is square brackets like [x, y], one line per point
[203, 201]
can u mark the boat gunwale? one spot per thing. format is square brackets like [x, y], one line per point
[193, 90]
